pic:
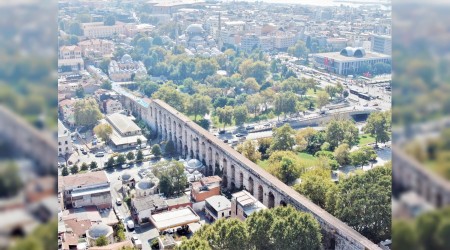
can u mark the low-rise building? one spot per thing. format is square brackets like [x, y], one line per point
[284, 40]
[87, 189]
[111, 106]
[64, 140]
[205, 188]
[99, 30]
[348, 61]
[69, 59]
[249, 42]
[142, 208]
[178, 202]
[243, 204]
[217, 207]
[126, 69]
[96, 48]
[125, 131]
[67, 111]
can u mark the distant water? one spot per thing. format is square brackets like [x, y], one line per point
[312, 2]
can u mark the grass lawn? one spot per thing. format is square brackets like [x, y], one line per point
[264, 164]
[366, 139]
[308, 159]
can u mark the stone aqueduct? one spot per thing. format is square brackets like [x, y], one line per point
[193, 141]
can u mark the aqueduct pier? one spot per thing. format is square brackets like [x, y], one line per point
[192, 141]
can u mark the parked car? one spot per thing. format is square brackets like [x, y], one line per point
[137, 242]
[221, 132]
[250, 127]
[118, 201]
[100, 154]
[239, 135]
[130, 225]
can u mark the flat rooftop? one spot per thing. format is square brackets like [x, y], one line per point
[338, 57]
[174, 218]
[122, 123]
[219, 202]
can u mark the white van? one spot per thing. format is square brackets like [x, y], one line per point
[130, 224]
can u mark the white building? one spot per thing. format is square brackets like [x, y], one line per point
[88, 189]
[284, 40]
[217, 207]
[96, 48]
[125, 69]
[125, 131]
[249, 42]
[99, 30]
[243, 204]
[142, 208]
[111, 106]
[382, 44]
[64, 140]
[348, 61]
[69, 59]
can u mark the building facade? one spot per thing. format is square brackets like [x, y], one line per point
[348, 61]
[126, 69]
[217, 207]
[87, 189]
[382, 44]
[205, 188]
[69, 59]
[243, 204]
[64, 140]
[96, 48]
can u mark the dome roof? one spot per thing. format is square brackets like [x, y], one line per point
[194, 163]
[195, 29]
[98, 230]
[126, 58]
[145, 184]
[126, 176]
[353, 52]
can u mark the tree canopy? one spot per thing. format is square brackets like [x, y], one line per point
[86, 112]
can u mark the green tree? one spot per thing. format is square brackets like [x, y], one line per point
[298, 50]
[10, 181]
[93, 165]
[120, 159]
[249, 150]
[84, 166]
[283, 138]
[251, 86]
[156, 150]
[378, 127]
[361, 156]
[323, 98]
[104, 64]
[170, 149]
[172, 179]
[106, 85]
[315, 185]
[341, 131]
[404, 235]
[225, 115]
[198, 105]
[342, 154]
[258, 70]
[240, 115]
[139, 156]
[283, 228]
[103, 131]
[74, 169]
[194, 243]
[374, 220]
[263, 147]
[253, 103]
[75, 29]
[86, 112]
[64, 172]
[130, 156]
[110, 20]
[111, 162]
[148, 87]
[285, 165]
[169, 94]
[331, 90]
[79, 91]
[101, 241]
[205, 67]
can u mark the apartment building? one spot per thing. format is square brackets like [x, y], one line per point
[217, 207]
[283, 40]
[205, 188]
[64, 140]
[69, 59]
[88, 189]
[96, 48]
[99, 30]
[382, 44]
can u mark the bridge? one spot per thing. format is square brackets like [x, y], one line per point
[192, 141]
[409, 174]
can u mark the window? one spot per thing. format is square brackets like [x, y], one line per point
[59, 143]
[66, 142]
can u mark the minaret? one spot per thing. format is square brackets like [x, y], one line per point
[219, 38]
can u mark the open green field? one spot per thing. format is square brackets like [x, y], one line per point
[307, 159]
[365, 139]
